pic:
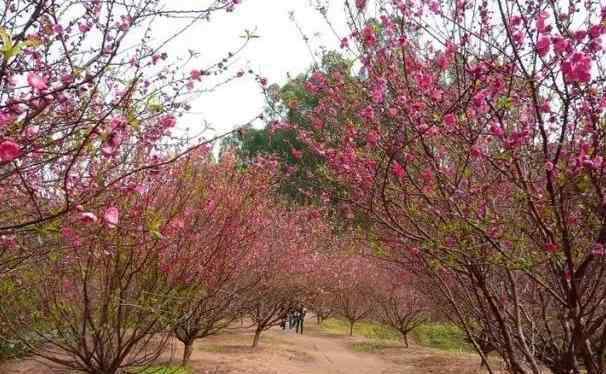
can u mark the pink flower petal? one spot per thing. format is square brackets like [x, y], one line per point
[88, 217]
[111, 216]
[36, 82]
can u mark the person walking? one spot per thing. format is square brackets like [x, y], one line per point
[291, 319]
[295, 314]
[301, 318]
[283, 321]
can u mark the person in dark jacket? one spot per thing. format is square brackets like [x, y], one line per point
[291, 319]
[301, 318]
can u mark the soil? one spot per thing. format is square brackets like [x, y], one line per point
[284, 352]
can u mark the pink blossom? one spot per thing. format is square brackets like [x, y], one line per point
[71, 236]
[368, 113]
[450, 120]
[9, 151]
[560, 45]
[32, 131]
[542, 27]
[424, 80]
[360, 4]
[372, 138]
[88, 217]
[83, 27]
[434, 6]
[107, 150]
[577, 68]
[598, 250]
[378, 92]
[178, 223]
[196, 74]
[168, 121]
[549, 166]
[6, 119]
[125, 23]
[479, 99]
[475, 151]
[369, 37]
[36, 82]
[111, 216]
[579, 35]
[118, 122]
[344, 43]
[516, 20]
[497, 130]
[398, 170]
[551, 247]
[596, 31]
[297, 154]
[543, 46]
[140, 189]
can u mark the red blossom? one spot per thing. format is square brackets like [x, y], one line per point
[9, 151]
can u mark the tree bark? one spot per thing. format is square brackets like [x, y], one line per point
[319, 319]
[351, 324]
[405, 337]
[256, 338]
[187, 351]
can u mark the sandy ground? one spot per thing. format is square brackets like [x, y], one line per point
[284, 352]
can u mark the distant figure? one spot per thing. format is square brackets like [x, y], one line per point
[283, 321]
[291, 319]
[301, 318]
[295, 320]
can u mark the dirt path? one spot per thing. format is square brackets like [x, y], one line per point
[315, 352]
[333, 355]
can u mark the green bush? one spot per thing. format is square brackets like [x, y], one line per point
[444, 336]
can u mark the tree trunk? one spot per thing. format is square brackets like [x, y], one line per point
[405, 337]
[187, 351]
[319, 319]
[256, 338]
[351, 324]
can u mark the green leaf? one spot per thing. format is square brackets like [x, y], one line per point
[9, 50]
[504, 102]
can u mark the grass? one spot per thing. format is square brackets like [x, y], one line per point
[373, 346]
[165, 370]
[443, 336]
[369, 330]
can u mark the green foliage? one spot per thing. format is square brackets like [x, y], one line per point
[366, 329]
[444, 336]
[292, 104]
[164, 370]
[10, 349]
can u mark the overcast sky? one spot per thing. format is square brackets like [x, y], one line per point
[279, 50]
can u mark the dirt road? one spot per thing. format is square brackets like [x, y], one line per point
[315, 352]
[284, 352]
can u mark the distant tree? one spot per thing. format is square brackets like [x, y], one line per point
[287, 111]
